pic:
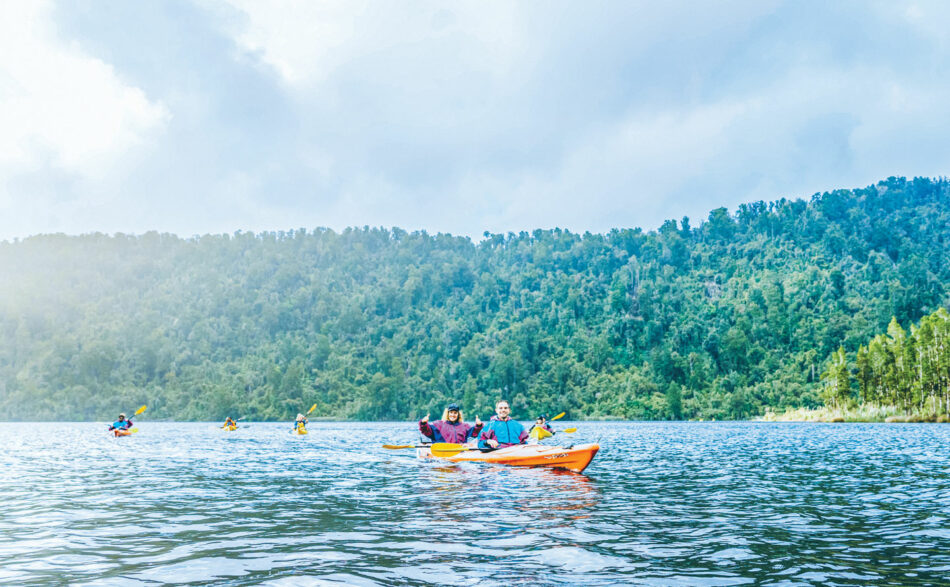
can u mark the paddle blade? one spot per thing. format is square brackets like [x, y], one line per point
[140, 410]
[312, 408]
[447, 446]
[569, 430]
[398, 446]
[447, 449]
[133, 429]
[558, 417]
[447, 452]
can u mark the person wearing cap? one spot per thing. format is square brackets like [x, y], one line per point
[502, 431]
[451, 428]
[300, 422]
[541, 422]
[228, 422]
[121, 423]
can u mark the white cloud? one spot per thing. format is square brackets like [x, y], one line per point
[59, 107]
[297, 38]
[306, 41]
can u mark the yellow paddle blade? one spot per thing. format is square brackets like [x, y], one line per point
[569, 430]
[447, 446]
[133, 429]
[558, 417]
[447, 449]
[312, 408]
[398, 446]
[447, 452]
[140, 410]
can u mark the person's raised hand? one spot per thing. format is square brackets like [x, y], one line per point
[477, 421]
[492, 443]
[426, 419]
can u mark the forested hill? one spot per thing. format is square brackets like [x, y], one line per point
[716, 320]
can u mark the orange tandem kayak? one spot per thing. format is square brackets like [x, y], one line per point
[122, 432]
[573, 458]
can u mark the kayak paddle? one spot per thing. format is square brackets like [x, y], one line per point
[448, 449]
[569, 430]
[398, 446]
[558, 417]
[312, 408]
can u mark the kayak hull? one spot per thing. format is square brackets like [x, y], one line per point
[573, 458]
[539, 434]
[229, 428]
[301, 430]
[119, 433]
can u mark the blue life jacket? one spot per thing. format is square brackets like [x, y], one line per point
[120, 424]
[506, 432]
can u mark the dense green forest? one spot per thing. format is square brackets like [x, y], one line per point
[908, 370]
[712, 321]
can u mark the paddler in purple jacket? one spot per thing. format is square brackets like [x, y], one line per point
[451, 428]
[502, 431]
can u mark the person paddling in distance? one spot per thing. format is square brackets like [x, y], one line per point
[542, 423]
[502, 431]
[228, 422]
[451, 428]
[121, 424]
[300, 422]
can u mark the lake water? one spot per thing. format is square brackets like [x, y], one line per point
[662, 504]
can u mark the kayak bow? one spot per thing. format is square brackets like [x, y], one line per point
[539, 433]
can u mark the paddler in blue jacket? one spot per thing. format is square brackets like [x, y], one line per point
[502, 431]
[451, 428]
[121, 423]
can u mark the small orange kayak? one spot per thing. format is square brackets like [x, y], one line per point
[122, 432]
[572, 458]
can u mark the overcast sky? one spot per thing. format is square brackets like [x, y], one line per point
[212, 116]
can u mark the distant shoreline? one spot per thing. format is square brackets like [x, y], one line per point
[862, 413]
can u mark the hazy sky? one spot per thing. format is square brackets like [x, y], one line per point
[214, 116]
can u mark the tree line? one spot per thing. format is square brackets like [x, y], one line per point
[716, 320]
[910, 370]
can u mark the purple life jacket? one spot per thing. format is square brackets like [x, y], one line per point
[454, 433]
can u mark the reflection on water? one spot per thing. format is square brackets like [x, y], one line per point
[662, 504]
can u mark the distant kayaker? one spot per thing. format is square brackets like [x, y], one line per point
[300, 422]
[502, 431]
[121, 423]
[228, 422]
[541, 422]
[451, 428]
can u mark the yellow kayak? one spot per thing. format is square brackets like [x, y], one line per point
[539, 433]
[229, 428]
[301, 430]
